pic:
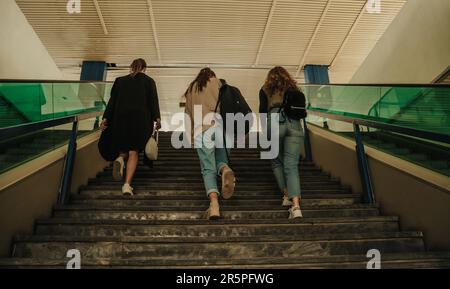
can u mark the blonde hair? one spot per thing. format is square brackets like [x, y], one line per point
[138, 65]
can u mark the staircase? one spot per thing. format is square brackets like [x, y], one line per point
[163, 225]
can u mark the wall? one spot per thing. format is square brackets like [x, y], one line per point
[401, 188]
[33, 197]
[415, 47]
[22, 54]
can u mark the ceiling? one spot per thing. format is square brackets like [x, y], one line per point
[240, 33]
[240, 39]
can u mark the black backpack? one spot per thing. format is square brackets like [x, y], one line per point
[294, 104]
[231, 101]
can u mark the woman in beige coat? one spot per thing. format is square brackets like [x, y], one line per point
[204, 93]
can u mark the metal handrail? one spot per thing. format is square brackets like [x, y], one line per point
[21, 129]
[393, 85]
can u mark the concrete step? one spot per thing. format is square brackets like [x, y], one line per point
[195, 174]
[133, 214]
[202, 197]
[194, 170]
[240, 186]
[224, 227]
[415, 260]
[197, 180]
[201, 192]
[344, 199]
[204, 251]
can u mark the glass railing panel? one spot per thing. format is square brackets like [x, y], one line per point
[24, 102]
[29, 102]
[70, 99]
[425, 108]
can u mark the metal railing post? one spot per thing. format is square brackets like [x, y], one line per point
[68, 164]
[363, 165]
[307, 142]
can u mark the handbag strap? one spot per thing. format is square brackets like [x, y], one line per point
[156, 135]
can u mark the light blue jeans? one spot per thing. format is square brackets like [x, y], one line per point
[285, 166]
[212, 159]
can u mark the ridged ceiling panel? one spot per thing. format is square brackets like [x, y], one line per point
[210, 31]
[229, 32]
[331, 34]
[290, 30]
[72, 38]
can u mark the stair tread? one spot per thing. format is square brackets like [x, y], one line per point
[201, 197]
[147, 209]
[221, 239]
[220, 222]
[415, 259]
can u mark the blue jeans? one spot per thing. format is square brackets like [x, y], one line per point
[212, 159]
[285, 166]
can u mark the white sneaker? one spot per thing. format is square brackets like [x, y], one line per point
[295, 213]
[118, 166]
[286, 202]
[127, 190]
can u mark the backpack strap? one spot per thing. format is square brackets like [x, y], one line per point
[283, 107]
[220, 96]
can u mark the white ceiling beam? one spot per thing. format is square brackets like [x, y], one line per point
[100, 16]
[350, 32]
[266, 29]
[313, 38]
[155, 33]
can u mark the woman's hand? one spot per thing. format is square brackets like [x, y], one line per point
[103, 125]
[158, 124]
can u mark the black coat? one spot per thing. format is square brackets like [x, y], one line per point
[131, 112]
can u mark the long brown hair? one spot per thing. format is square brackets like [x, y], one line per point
[137, 66]
[201, 80]
[279, 79]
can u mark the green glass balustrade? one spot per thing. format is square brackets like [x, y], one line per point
[29, 102]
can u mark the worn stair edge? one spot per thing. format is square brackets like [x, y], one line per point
[221, 239]
[305, 221]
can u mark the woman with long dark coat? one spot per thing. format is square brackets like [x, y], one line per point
[131, 113]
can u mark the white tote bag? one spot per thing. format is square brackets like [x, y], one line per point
[151, 149]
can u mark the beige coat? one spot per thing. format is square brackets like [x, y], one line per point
[207, 98]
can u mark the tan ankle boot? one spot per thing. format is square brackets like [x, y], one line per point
[213, 212]
[228, 182]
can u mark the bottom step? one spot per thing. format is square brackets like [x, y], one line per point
[424, 260]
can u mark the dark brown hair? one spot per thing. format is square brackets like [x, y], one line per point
[137, 66]
[201, 80]
[279, 79]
